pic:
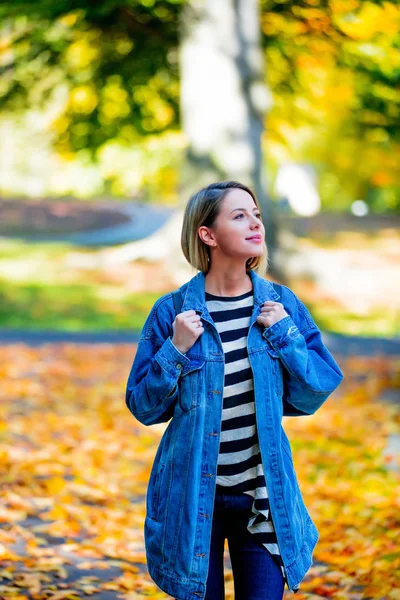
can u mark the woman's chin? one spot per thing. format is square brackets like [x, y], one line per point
[256, 254]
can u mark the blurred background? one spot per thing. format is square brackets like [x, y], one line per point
[111, 114]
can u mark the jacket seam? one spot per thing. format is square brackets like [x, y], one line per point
[149, 329]
[300, 305]
[151, 410]
[308, 520]
[303, 310]
[302, 385]
[176, 530]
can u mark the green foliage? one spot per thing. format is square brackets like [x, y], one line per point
[357, 36]
[110, 71]
[115, 59]
[334, 72]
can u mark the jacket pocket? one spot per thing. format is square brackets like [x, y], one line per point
[191, 384]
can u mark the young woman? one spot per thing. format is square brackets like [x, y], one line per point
[223, 372]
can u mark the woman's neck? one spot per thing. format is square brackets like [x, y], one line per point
[227, 283]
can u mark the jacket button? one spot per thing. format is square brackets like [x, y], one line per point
[179, 366]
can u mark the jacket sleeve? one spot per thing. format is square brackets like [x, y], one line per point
[311, 373]
[152, 387]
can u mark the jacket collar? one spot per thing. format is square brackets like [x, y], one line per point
[195, 292]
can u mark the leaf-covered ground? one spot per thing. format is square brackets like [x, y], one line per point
[75, 466]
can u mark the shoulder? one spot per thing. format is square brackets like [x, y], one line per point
[158, 324]
[160, 318]
[296, 309]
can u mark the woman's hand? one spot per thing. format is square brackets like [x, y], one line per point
[271, 312]
[186, 327]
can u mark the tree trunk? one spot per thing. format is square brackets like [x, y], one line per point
[224, 99]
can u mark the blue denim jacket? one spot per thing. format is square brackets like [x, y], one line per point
[294, 374]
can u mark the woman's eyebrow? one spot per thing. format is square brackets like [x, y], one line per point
[245, 209]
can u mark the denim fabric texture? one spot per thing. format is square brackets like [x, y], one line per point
[294, 373]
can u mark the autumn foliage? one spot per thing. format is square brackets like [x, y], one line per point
[75, 466]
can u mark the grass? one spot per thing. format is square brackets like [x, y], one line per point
[70, 308]
[377, 323]
[61, 287]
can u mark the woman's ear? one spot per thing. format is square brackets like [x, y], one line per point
[206, 235]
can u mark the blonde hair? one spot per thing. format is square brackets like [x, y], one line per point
[202, 209]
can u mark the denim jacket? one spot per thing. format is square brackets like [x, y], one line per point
[294, 374]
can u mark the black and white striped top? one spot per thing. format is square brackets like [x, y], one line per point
[240, 468]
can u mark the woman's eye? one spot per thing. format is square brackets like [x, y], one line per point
[242, 215]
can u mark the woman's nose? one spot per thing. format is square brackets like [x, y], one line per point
[256, 222]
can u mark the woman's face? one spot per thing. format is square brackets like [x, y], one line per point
[238, 231]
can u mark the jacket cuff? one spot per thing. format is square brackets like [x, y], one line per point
[171, 359]
[281, 333]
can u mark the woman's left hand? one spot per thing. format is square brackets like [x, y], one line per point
[271, 312]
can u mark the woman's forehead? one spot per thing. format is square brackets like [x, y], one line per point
[237, 198]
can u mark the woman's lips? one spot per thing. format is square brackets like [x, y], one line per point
[255, 238]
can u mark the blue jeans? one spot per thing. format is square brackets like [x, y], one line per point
[256, 575]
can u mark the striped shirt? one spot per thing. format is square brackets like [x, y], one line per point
[240, 468]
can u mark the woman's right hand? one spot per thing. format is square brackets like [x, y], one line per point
[187, 328]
